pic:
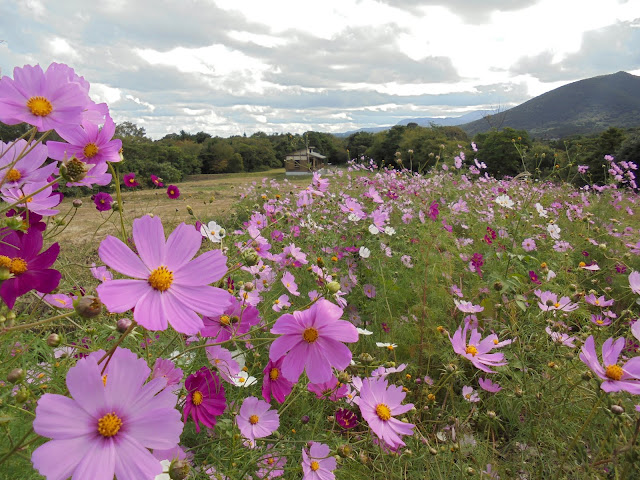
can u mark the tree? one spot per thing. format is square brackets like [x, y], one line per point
[129, 129]
[498, 151]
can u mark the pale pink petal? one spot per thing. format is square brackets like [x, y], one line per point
[60, 418]
[149, 310]
[122, 295]
[206, 300]
[121, 258]
[181, 317]
[99, 461]
[293, 364]
[148, 236]
[134, 462]
[57, 459]
[209, 267]
[182, 245]
[282, 345]
[84, 382]
[338, 354]
[159, 428]
[317, 365]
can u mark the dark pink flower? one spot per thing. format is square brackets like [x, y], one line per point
[102, 201]
[346, 418]
[129, 180]
[205, 400]
[274, 383]
[313, 340]
[157, 181]
[173, 192]
[29, 268]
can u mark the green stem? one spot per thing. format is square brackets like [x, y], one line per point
[116, 181]
[26, 326]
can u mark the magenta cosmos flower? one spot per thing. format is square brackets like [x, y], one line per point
[379, 404]
[157, 181]
[318, 464]
[256, 419]
[235, 321]
[109, 424]
[616, 377]
[274, 384]
[103, 201]
[29, 269]
[130, 181]
[47, 100]
[88, 143]
[477, 350]
[313, 339]
[173, 192]
[168, 286]
[206, 399]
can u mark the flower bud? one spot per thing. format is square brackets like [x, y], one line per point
[189, 210]
[617, 409]
[304, 419]
[345, 450]
[22, 395]
[333, 287]
[250, 257]
[433, 451]
[123, 324]
[73, 170]
[178, 470]
[53, 340]
[77, 203]
[344, 377]
[365, 358]
[115, 206]
[16, 375]
[88, 306]
[363, 457]
[249, 286]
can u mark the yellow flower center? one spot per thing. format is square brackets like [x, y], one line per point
[242, 380]
[253, 419]
[314, 466]
[582, 264]
[614, 372]
[274, 374]
[310, 335]
[18, 266]
[197, 398]
[383, 412]
[557, 305]
[389, 347]
[472, 350]
[270, 461]
[109, 425]
[225, 320]
[13, 175]
[39, 106]
[90, 150]
[161, 278]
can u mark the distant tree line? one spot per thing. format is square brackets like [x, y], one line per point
[506, 152]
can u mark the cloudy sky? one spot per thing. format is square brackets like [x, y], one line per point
[229, 67]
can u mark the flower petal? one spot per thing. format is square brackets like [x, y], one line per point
[148, 236]
[121, 258]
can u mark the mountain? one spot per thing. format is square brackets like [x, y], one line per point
[582, 107]
[423, 122]
[445, 121]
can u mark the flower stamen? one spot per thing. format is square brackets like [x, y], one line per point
[109, 425]
[197, 398]
[161, 278]
[383, 412]
[614, 372]
[39, 106]
[253, 419]
[472, 350]
[310, 335]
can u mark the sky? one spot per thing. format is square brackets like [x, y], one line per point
[230, 67]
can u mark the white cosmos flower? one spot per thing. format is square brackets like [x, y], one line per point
[364, 331]
[373, 229]
[364, 252]
[165, 468]
[504, 201]
[554, 231]
[541, 211]
[389, 346]
[213, 232]
[243, 379]
[353, 217]
[389, 230]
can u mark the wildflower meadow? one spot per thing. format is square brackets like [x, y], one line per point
[367, 322]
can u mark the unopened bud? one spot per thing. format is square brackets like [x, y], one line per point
[123, 324]
[189, 210]
[15, 375]
[22, 395]
[344, 377]
[179, 469]
[344, 450]
[333, 287]
[53, 340]
[304, 419]
[250, 257]
[617, 409]
[365, 358]
[77, 203]
[364, 458]
[88, 306]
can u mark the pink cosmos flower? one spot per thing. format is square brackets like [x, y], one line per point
[173, 192]
[157, 181]
[477, 350]
[109, 423]
[634, 281]
[102, 201]
[20, 255]
[318, 464]
[369, 290]
[616, 377]
[41, 203]
[281, 302]
[467, 307]
[28, 168]
[378, 404]
[599, 301]
[166, 369]
[256, 419]
[59, 300]
[600, 320]
[88, 143]
[289, 282]
[549, 301]
[469, 394]
[529, 244]
[488, 385]
[223, 361]
[236, 320]
[47, 100]
[332, 390]
[100, 273]
[167, 286]
[206, 399]
[274, 383]
[270, 466]
[313, 339]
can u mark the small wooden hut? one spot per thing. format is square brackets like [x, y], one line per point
[304, 161]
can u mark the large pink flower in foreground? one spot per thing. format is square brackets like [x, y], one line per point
[379, 404]
[109, 424]
[616, 377]
[477, 350]
[313, 338]
[168, 286]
